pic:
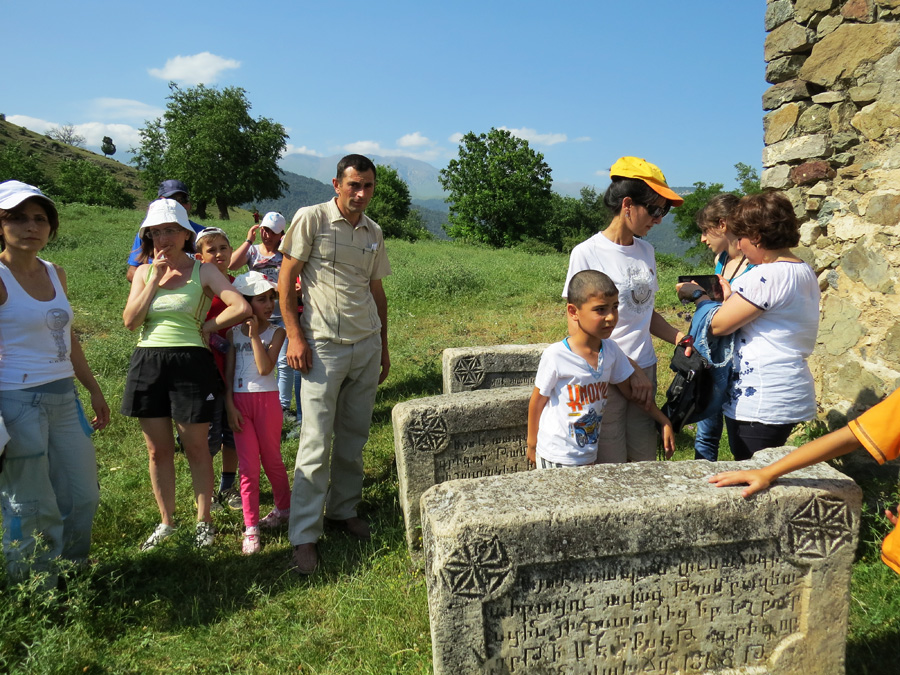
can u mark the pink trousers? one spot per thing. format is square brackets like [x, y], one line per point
[259, 442]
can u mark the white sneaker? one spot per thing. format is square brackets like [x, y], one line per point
[275, 518]
[205, 534]
[251, 541]
[161, 532]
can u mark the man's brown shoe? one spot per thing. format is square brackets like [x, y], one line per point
[355, 527]
[305, 558]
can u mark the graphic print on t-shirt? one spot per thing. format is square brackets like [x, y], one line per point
[586, 429]
[637, 293]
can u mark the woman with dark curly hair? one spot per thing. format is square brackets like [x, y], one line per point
[774, 308]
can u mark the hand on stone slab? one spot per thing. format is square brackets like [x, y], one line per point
[755, 479]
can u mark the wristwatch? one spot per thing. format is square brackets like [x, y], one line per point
[696, 295]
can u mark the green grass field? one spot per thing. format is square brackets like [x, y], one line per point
[181, 610]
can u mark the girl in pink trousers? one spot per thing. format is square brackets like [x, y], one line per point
[254, 410]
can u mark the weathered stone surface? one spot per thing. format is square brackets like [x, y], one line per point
[884, 209]
[876, 118]
[859, 10]
[785, 92]
[828, 25]
[792, 149]
[640, 568]
[839, 327]
[865, 93]
[778, 124]
[888, 4]
[863, 263]
[841, 116]
[810, 172]
[889, 347]
[839, 55]
[789, 38]
[819, 189]
[843, 159]
[777, 13]
[851, 171]
[466, 435]
[776, 178]
[829, 97]
[804, 9]
[845, 140]
[813, 120]
[470, 368]
[784, 68]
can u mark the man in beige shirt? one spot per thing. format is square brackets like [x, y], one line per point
[339, 344]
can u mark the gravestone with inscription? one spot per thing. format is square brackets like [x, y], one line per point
[640, 568]
[470, 368]
[467, 435]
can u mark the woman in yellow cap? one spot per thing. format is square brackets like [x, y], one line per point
[638, 198]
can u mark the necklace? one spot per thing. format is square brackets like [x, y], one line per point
[737, 269]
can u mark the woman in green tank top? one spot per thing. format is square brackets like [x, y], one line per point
[172, 376]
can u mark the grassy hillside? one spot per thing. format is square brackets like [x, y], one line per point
[181, 610]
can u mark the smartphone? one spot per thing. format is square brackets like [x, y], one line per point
[708, 282]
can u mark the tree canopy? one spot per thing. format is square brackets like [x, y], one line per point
[65, 133]
[108, 147]
[391, 207]
[685, 215]
[82, 181]
[208, 139]
[499, 189]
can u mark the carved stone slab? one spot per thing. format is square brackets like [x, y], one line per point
[640, 568]
[470, 368]
[466, 435]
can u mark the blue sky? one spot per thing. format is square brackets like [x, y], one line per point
[678, 83]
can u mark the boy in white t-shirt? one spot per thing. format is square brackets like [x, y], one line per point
[570, 392]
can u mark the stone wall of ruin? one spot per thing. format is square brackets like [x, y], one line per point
[831, 131]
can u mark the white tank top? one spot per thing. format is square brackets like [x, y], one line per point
[246, 375]
[35, 336]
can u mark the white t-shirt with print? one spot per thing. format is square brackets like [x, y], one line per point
[570, 422]
[771, 382]
[633, 270]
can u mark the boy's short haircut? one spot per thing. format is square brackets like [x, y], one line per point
[587, 284]
[210, 232]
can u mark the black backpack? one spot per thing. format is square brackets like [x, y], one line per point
[692, 388]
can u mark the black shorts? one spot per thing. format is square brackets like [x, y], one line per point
[176, 382]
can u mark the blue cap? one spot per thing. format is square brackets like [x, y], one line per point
[170, 187]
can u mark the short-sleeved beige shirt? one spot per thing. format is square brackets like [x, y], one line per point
[340, 261]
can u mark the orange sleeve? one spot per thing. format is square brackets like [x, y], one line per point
[878, 429]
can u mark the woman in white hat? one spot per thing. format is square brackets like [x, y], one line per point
[172, 376]
[48, 482]
[638, 198]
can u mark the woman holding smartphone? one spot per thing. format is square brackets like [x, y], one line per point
[731, 263]
[774, 309]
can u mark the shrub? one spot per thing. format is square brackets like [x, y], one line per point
[84, 182]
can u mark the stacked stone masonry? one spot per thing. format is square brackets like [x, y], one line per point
[831, 130]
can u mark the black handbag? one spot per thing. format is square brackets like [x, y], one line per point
[692, 387]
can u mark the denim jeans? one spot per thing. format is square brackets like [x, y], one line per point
[706, 441]
[48, 486]
[287, 377]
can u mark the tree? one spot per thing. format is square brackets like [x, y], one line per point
[499, 189]
[571, 220]
[208, 139]
[65, 133]
[108, 148]
[16, 164]
[686, 214]
[82, 181]
[391, 207]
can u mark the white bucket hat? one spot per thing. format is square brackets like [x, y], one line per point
[164, 211]
[14, 192]
[273, 221]
[252, 284]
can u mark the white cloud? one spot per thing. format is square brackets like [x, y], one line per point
[532, 136]
[414, 140]
[123, 135]
[429, 154]
[32, 123]
[302, 150]
[456, 138]
[122, 108]
[203, 68]
[583, 139]
[365, 148]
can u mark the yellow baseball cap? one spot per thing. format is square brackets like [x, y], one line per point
[635, 167]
